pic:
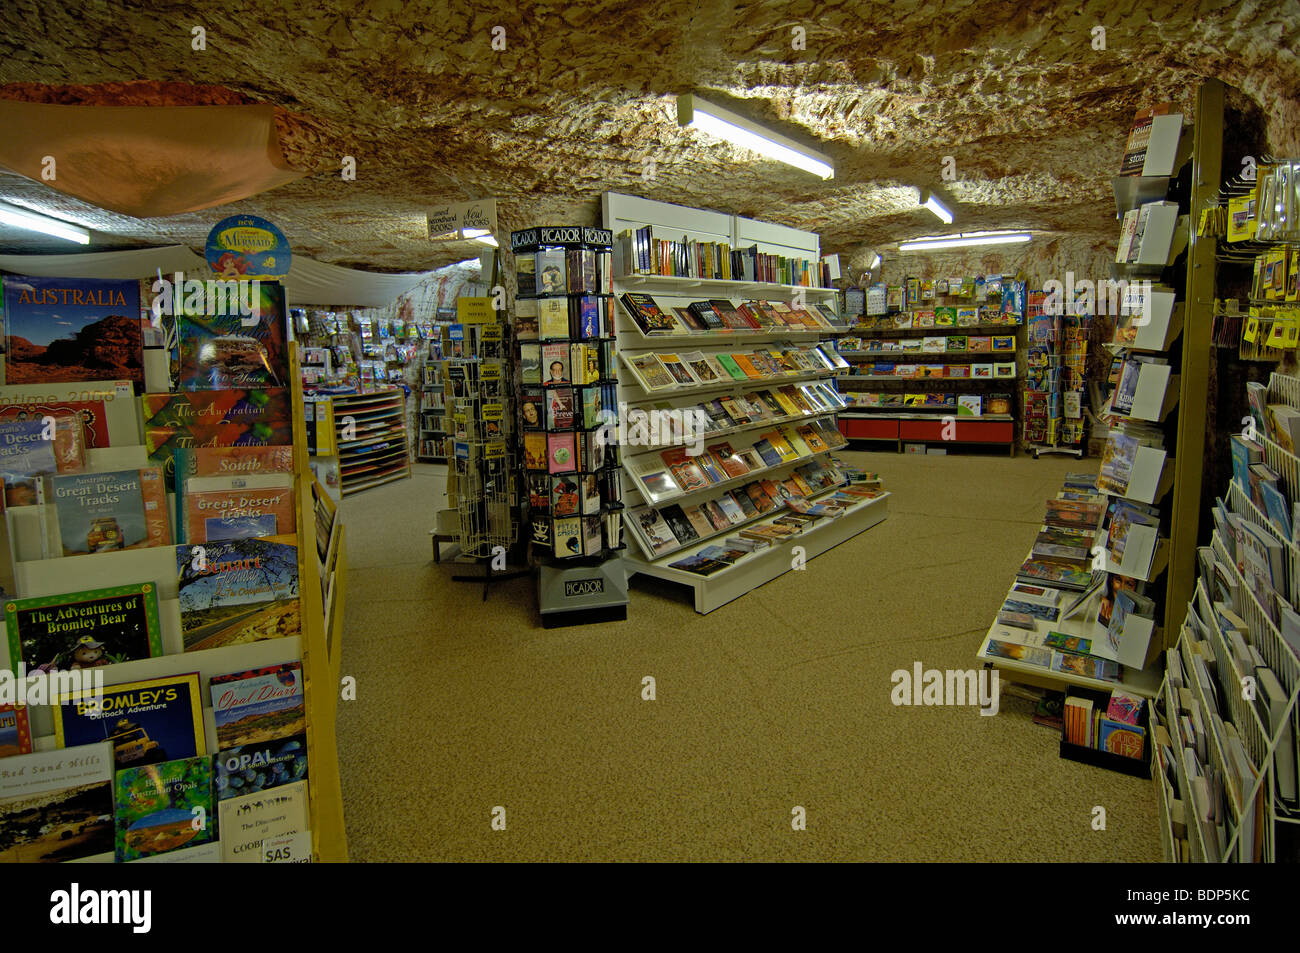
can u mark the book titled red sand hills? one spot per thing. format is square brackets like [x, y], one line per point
[72, 329]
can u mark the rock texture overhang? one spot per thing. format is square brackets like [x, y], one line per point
[575, 98]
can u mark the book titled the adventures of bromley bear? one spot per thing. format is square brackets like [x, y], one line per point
[83, 630]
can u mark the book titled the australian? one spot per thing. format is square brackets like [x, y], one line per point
[258, 705]
[101, 512]
[147, 722]
[157, 806]
[237, 591]
[81, 630]
[220, 352]
[215, 418]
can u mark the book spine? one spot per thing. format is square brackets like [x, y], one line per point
[153, 494]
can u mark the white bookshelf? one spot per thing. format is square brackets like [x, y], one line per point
[625, 212]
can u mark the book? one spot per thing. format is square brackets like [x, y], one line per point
[147, 722]
[15, 731]
[72, 329]
[221, 352]
[57, 806]
[651, 373]
[655, 530]
[87, 629]
[1139, 137]
[684, 469]
[157, 805]
[648, 316]
[221, 418]
[561, 452]
[216, 509]
[238, 591]
[258, 705]
[26, 454]
[252, 767]
[100, 512]
[680, 372]
[266, 828]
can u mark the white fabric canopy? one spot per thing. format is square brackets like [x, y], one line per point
[308, 283]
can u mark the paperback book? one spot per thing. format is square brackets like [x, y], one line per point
[100, 512]
[258, 705]
[57, 806]
[236, 351]
[157, 805]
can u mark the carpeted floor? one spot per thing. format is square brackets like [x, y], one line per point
[779, 699]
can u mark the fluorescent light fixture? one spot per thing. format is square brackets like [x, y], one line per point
[938, 208]
[736, 129]
[965, 239]
[33, 221]
[467, 263]
[875, 262]
[487, 240]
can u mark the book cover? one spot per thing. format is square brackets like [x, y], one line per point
[651, 374]
[647, 314]
[217, 418]
[163, 808]
[244, 510]
[568, 536]
[27, 452]
[560, 412]
[57, 806]
[80, 630]
[561, 453]
[72, 329]
[551, 271]
[679, 525]
[254, 767]
[147, 722]
[237, 591]
[265, 827]
[655, 530]
[535, 450]
[220, 352]
[99, 512]
[258, 705]
[675, 366]
[15, 731]
[565, 497]
[91, 415]
[553, 318]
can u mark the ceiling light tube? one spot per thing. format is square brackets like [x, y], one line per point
[938, 208]
[964, 240]
[34, 221]
[875, 262]
[736, 129]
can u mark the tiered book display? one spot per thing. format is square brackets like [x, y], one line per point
[1225, 720]
[1111, 542]
[171, 547]
[730, 400]
[481, 484]
[434, 441]
[934, 362]
[1056, 378]
[568, 367]
[370, 434]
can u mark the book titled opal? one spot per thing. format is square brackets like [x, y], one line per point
[101, 512]
[237, 591]
[261, 766]
[161, 808]
[82, 630]
[147, 722]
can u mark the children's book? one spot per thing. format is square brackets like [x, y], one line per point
[234, 592]
[147, 722]
[258, 705]
[81, 630]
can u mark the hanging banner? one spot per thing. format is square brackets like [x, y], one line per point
[462, 220]
[245, 246]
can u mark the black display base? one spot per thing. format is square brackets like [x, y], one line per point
[489, 576]
[559, 620]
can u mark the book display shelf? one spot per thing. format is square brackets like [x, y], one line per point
[370, 434]
[730, 398]
[1226, 718]
[128, 522]
[1106, 586]
[1056, 377]
[433, 444]
[935, 362]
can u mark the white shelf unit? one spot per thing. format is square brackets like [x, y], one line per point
[376, 452]
[623, 212]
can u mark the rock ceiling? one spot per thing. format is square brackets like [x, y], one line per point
[582, 99]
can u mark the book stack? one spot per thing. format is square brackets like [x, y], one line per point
[642, 251]
[564, 322]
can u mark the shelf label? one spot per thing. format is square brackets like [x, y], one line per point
[475, 311]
